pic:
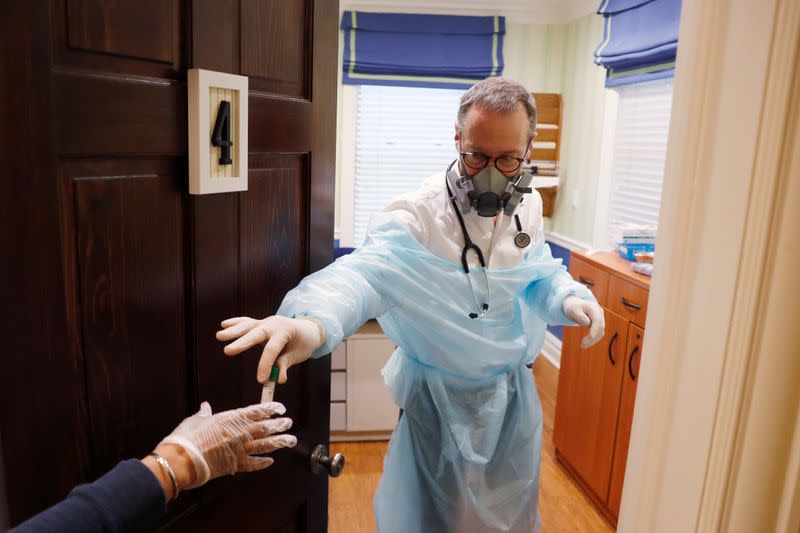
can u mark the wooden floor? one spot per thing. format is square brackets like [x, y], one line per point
[562, 505]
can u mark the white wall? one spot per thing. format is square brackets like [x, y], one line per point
[582, 87]
[558, 58]
[534, 55]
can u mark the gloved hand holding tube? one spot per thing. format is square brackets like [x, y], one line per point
[288, 341]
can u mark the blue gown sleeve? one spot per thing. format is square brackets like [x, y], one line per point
[546, 295]
[125, 499]
[342, 296]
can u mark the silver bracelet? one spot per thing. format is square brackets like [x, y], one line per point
[165, 465]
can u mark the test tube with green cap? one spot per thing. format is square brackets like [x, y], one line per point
[268, 391]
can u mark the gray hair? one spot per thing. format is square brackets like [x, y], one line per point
[498, 94]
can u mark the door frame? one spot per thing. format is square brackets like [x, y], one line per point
[717, 417]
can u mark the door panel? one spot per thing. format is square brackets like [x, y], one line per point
[633, 358]
[280, 125]
[218, 23]
[146, 29]
[146, 38]
[128, 278]
[275, 206]
[587, 402]
[215, 227]
[273, 56]
[113, 115]
[41, 356]
[122, 278]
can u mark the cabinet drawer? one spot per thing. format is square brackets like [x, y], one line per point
[339, 357]
[594, 278]
[338, 386]
[338, 416]
[627, 300]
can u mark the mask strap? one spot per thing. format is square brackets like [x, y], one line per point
[523, 190]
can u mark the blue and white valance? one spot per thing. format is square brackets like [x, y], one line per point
[640, 40]
[421, 50]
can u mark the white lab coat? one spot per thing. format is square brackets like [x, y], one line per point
[432, 220]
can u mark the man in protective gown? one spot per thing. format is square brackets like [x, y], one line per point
[459, 276]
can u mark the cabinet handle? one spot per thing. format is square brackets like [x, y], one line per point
[585, 281]
[633, 306]
[630, 362]
[611, 347]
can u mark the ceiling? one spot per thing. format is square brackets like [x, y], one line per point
[519, 11]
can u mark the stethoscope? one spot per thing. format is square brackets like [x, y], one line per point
[521, 240]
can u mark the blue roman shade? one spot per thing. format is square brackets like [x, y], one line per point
[421, 50]
[640, 40]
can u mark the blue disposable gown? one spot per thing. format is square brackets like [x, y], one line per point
[465, 455]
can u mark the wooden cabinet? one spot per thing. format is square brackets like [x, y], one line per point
[588, 400]
[625, 418]
[597, 386]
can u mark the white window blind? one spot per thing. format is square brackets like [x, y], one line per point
[403, 135]
[640, 148]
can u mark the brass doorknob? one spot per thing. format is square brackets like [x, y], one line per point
[321, 462]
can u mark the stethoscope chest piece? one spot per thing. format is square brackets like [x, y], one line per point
[522, 240]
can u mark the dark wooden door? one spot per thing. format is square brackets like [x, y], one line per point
[633, 358]
[115, 279]
[587, 402]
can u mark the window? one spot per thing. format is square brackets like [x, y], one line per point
[640, 147]
[403, 135]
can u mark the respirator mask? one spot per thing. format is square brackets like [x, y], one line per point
[489, 191]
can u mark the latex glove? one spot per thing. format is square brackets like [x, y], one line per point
[587, 314]
[225, 443]
[289, 341]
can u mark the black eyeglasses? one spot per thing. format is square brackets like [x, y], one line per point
[478, 161]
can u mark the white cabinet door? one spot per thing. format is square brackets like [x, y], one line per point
[369, 403]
